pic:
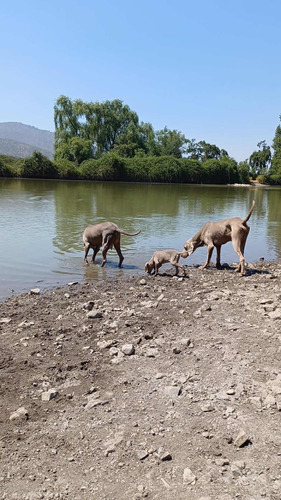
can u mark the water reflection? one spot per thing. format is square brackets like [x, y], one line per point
[42, 222]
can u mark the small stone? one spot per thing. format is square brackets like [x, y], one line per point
[48, 395]
[237, 467]
[128, 349]
[35, 291]
[221, 462]
[107, 344]
[142, 454]
[274, 315]
[230, 392]
[165, 456]
[94, 314]
[229, 410]
[207, 408]
[72, 283]
[172, 391]
[198, 314]
[269, 400]
[241, 439]
[185, 342]
[20, 414]
[88, 305]
[151, 352]
[5, 320]
[142, 282]
[188, 476]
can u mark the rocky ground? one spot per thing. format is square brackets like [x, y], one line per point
[160, 388]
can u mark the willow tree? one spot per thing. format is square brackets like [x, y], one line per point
[101, 123]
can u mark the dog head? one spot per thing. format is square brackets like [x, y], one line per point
[148, 267]
[183, 254]
[189, 248]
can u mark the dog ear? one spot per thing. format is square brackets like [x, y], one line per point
[146, 267]
[189, 247]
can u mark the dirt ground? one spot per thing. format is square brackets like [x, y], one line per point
[160, 388]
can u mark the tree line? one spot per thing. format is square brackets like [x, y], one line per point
[106, 141]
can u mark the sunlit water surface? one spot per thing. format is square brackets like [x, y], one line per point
[41, 226]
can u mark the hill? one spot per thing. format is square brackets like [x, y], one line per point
[20, 141]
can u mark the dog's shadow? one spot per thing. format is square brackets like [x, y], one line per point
[229, 267]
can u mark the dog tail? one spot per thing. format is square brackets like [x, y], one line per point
[121, 231]
[250, 213]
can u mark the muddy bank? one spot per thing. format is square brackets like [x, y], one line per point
[143, 387]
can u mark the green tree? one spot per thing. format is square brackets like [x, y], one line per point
[244, 172]
[100, 123]
[66, 120]
[275, 171]
[276, 145]
[260, 160]
[170, 142]
[204, 151]
[130, 142]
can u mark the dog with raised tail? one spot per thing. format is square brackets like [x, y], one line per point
[215, 234]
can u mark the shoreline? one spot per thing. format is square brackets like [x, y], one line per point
[36, 290]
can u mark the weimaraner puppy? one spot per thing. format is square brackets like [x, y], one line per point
[215, 234]
[106, 235]
[161, 257]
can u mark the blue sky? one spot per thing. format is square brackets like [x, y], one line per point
[210, 69]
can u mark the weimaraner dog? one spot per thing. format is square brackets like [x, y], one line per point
[106, 235]
[164, 257]
[215, 234]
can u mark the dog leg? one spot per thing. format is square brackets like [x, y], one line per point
[239, 246]
[87, 248]
[96, 249]
[177, 266]
[118, 250]
[218, 262]
[209, 255]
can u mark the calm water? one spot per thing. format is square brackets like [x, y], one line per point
[41, 226]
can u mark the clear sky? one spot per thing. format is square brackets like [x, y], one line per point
[208, 68]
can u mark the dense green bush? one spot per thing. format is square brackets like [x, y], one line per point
[137, 168]
[109, 167]
[38, 166]
[191, 171]
[222, 171]
[275, 179]
[244, 172]
[140, 168]
[263, 179]
[88, 170]
[6, 169]
[67, 169]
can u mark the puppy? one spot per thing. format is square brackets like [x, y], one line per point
[161, 257]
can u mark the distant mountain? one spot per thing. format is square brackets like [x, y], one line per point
[20, 141]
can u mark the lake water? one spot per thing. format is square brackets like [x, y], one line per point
[41, 226]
